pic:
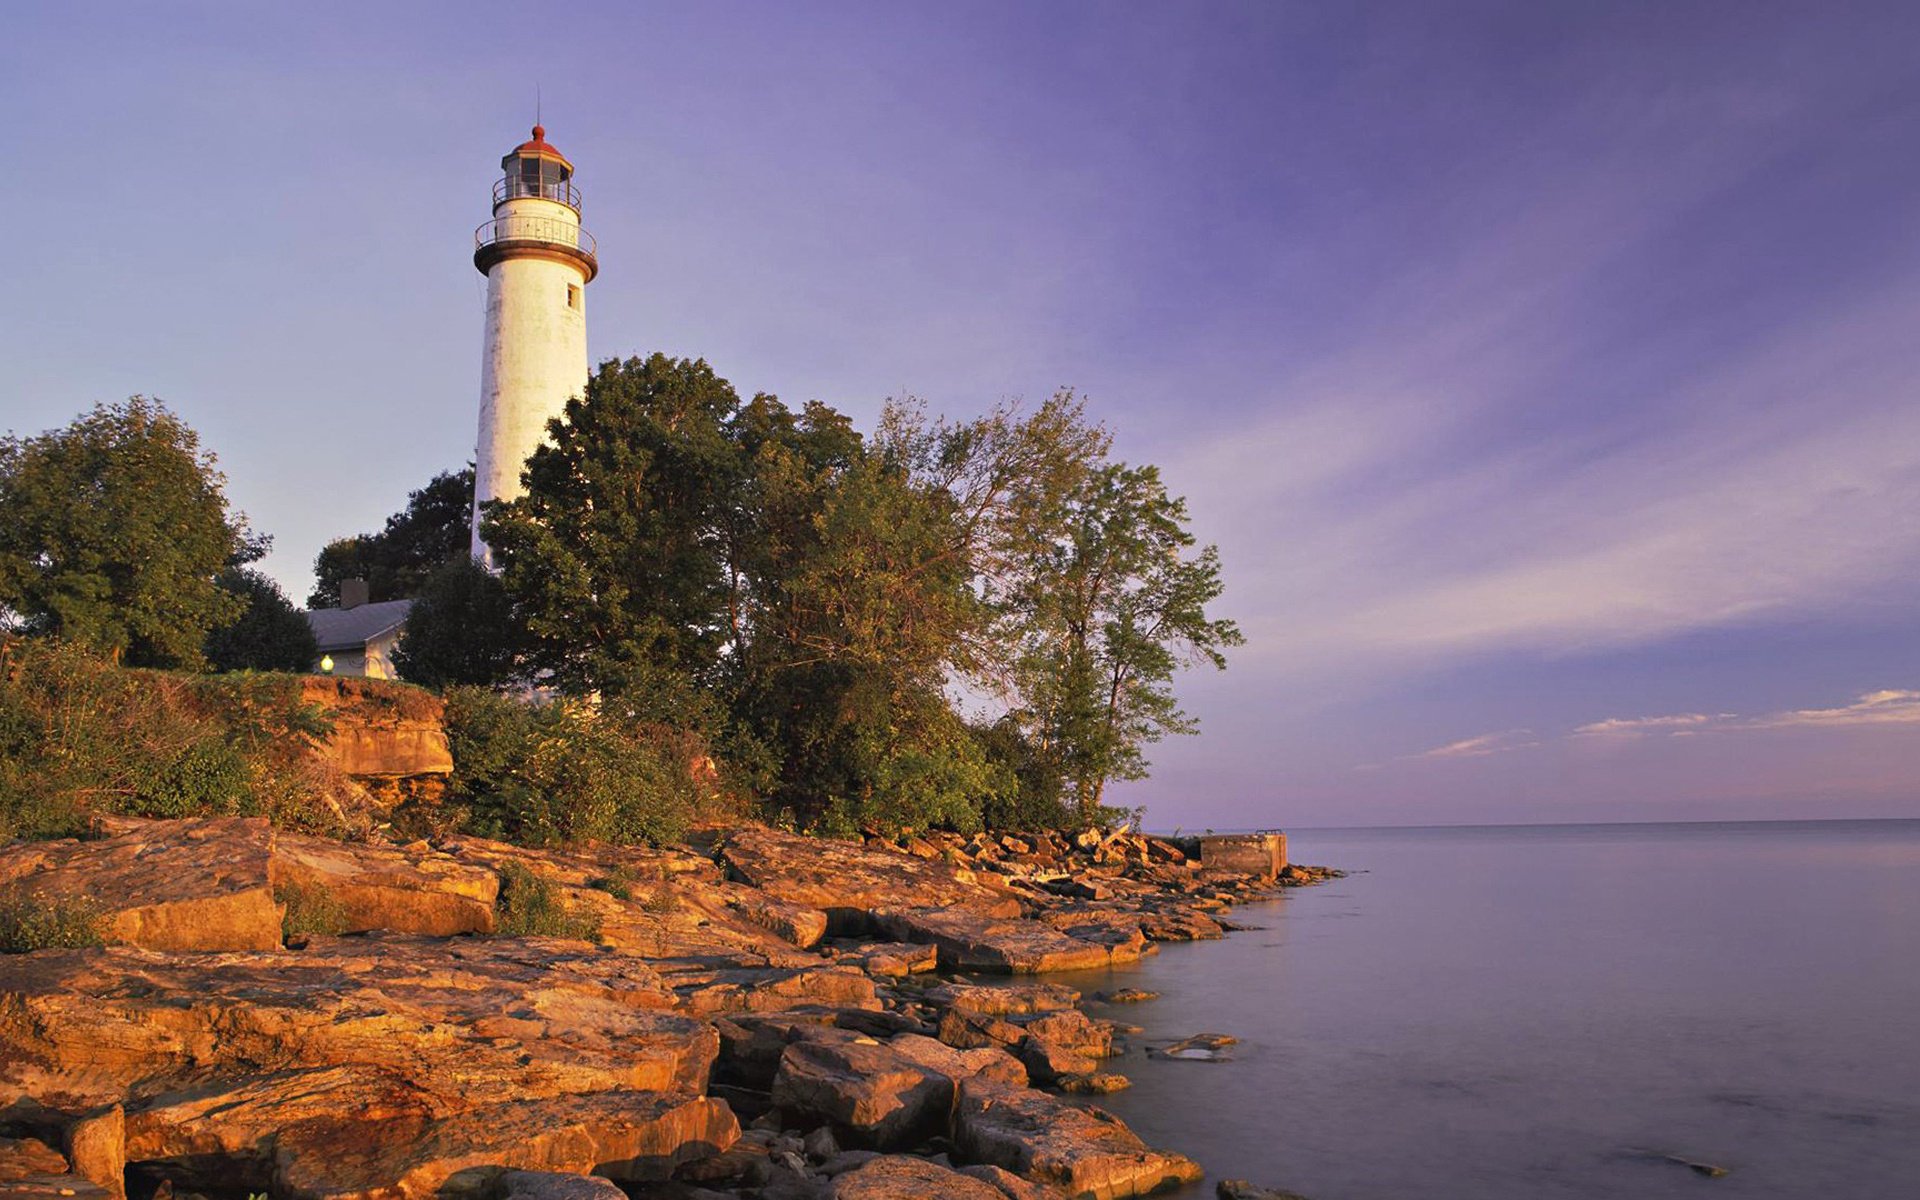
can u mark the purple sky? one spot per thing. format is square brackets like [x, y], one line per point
[1544, 371]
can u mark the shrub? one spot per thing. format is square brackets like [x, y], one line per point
[80, 735]
[558, 773]
[530, 906]
[310, 910]
[617, 883]
[33, 922]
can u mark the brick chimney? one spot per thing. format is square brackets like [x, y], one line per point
[353, 593]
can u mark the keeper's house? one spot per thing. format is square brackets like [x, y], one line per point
[358, 638]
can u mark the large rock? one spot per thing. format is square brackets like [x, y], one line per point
[529, 1018]
[405, 890]
[878, 1096]
[1086, 1152]
[380, 729]
[1005, 999]
[32, 1170]
[551, 1185]
[986, 1062]
[969, 940]
[848, 881]
[704, 988]
[896, 1177]
[355, 1134]
[163, 885]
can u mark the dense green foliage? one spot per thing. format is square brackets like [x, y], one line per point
[531, 906]
[566, 772]
[434, 528]
[79, 735]
[270, 633]
[31, 922]
[460, 630]
[112, 532]
[810, 598]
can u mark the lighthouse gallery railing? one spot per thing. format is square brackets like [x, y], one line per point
[534, 230]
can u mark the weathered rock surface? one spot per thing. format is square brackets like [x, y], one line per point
[896, 1177]
[548, 1185]
[173, 885]
[848, 881]
[32, 1170]
[1008, 999]
[969, 940]
[1240, 1189]
[1084, 1151]
[529, 1018]
[404, 889]
[880, 1097]
[374, 734]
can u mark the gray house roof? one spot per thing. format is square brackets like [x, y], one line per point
[353, 628]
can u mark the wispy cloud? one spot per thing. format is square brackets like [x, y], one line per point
[1888, 706]
[1483, 745]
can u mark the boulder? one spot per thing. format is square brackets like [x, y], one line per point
[1048, 1062]
[410, 890]
[1086, 1152]
[32, 1170]
[965, 1029]
[1007, 999]
[1075, 1031]
[796, 923]
[1008, 1184]
[969, 940]
[896, 1177]
[549, 1185]
[987, 1062]
[163, 885]
[880, 1097]
[895, 960]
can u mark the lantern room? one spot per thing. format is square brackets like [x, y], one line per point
[536, 169]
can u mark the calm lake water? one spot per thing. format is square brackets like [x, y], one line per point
[1538, 1011]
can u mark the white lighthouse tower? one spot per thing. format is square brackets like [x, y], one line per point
[538, 262]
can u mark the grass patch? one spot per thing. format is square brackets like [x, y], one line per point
[617, 883]
[31, 922]
[309, 911]
[530, 906]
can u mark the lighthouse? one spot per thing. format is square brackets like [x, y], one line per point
[538, 261]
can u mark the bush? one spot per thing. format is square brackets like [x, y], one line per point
[552, 774]
[310, 910]
[530, 906]
[31, 922]
[79, 735]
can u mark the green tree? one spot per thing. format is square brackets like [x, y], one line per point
[617, 555]
[112, 532]
[460, 630]
[434, 528]
[1104, 616]
[270, 633]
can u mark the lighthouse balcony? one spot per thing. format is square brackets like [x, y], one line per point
[520, 234]
[520, 187]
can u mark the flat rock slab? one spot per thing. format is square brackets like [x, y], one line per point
[1086, 1152]
[704, 989]
[631, 1137]
[848, 881]
[527, 1017]
[165, 885]
[897, 1177]
[1004, 999]
[969, 940]
[405, 890]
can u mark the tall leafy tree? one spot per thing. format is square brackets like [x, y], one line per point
[112, 533]
[460, 630]
[270, 634]
[434, 528]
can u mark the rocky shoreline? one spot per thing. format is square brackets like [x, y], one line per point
[754, 1014]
